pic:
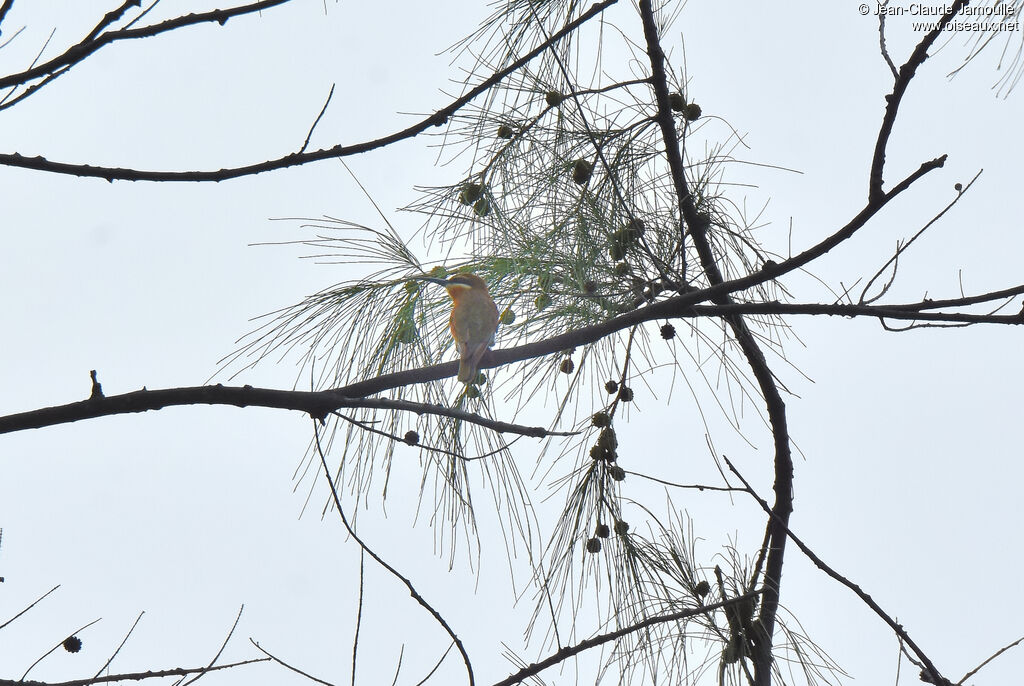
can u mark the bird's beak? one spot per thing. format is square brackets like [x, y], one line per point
[431, 279]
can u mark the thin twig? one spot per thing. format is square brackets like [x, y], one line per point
[569, 651]
[11, 38]
[398, 667]
[394, 572]
[359, 615]
[34, 603]
[29, 90]
[44, 655]
[992, 657]
[436, 666]
[34, 60]
[125, 640]
[135, 676]
[864, 300]
[216, 656]
[317, 120]
[699, 487]
[820, 564]
[284, 664]
[881, 39]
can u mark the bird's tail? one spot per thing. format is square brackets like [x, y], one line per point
[467, 371]
[469, 363]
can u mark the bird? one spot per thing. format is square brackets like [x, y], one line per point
[474, 320]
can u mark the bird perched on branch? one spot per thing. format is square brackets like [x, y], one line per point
[473, 322]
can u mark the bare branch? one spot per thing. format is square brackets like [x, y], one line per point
[134, 676]
[862, 218]
[966, 300]
[291, 160]
[4, 103]
[437, 665]
[288, 666]
[109, 18]
[776, 408]
[903, 247]
[912, 312]
[29, 90]
[317, 120]
[48, 652]
[820, 564]
[33, 604]
[199, 675]
[881, 40]
[106, 664]
[321, 403]
[394, 572]
[316, 404]
[903, 79]
[359, 614]
[989, 659]
[80, 51]
[5, 8]
[569, 651]
[699, 487]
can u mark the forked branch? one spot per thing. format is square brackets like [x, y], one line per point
[295, 159]
[893, 100]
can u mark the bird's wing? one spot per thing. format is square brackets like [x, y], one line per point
[474, 352]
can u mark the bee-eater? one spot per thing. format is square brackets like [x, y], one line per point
[473, 322]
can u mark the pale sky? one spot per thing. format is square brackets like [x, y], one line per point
[907, 478]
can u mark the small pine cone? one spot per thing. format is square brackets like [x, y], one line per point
[581, 172]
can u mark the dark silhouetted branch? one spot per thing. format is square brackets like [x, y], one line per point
[893, 100]
[989, 659]
[288, 666]
[133, 676]
[698, 228]
[4, 9]
[291, 160]
[820, 564]
[569, 651]
[33, 604]
[93, 42]
[316, 404]
[321, 403]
